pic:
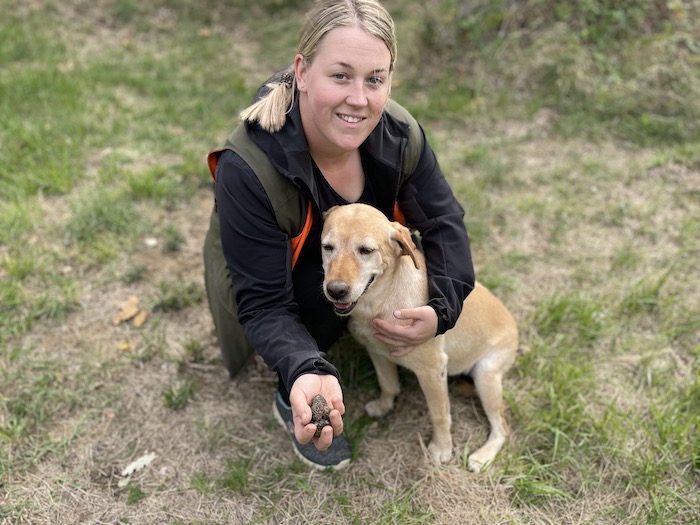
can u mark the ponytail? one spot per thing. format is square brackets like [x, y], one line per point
[270, 111]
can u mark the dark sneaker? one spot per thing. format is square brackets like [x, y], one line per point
[336, 457]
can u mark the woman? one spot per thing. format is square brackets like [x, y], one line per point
[326, 129]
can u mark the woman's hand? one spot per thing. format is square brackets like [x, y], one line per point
[405, 338]
[302, 393]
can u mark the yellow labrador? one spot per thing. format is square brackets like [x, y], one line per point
[372, 268]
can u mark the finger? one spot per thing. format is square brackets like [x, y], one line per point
[300, 407]
[414, 314]
[337, 404]
[336, 422]
[304, 434]
[388, 328]
[325, 439]
[402, 314]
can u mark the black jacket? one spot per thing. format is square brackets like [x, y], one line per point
[258, 252]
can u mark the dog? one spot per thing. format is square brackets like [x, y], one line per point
[371, 268]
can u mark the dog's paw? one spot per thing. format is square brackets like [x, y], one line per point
[483, 457]
[478, 462]
[474, 466]
[439, 453]
[378, 408]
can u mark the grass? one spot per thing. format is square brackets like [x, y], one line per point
[134, 495]
[576, 161]
[176, 397]
[178, 295]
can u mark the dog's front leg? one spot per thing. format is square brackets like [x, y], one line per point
[433, 381]
[388, 377]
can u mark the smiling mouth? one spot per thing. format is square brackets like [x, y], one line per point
[349, 119]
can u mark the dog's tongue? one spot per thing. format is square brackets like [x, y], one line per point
[343, 308]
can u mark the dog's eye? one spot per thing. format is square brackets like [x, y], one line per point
[365, 250]
[327, 247]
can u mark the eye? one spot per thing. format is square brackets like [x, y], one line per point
[376, 81]
[327, 247]
[365, 250]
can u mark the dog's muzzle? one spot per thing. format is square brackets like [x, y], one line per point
[338, 290]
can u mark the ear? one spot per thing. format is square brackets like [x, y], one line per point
[300, 67]
[402, 236]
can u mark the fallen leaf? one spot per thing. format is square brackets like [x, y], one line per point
[140, 318]
[138, 464]
[127, 310]
[124, 346]
[132, 467]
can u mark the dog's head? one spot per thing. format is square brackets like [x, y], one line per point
[358, 245]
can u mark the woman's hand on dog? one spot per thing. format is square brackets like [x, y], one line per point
[405, 337]
[302, 393]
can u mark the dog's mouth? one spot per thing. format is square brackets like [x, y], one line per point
[344, 309]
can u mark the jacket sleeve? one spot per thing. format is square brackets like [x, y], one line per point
[258, 254]
[429, 206]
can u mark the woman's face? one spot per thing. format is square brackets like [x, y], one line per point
[342, 93]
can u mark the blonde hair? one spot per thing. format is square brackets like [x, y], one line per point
[270, 111]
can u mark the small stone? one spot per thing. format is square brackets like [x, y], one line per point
[320, 413]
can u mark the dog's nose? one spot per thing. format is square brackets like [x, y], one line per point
[337, 290]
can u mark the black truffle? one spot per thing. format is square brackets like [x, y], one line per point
[320, 413]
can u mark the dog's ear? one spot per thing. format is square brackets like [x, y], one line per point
[402, 236]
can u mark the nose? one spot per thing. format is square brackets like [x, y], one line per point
[337, 290]
[357, 96]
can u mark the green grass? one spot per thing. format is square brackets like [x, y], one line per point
[235, 477]
[178, 396]
[134, 495]
[576, 161]
[177, 296]
[201, 483]
[559, 55]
